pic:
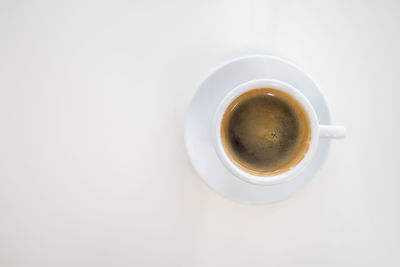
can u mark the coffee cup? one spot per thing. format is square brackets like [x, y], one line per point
[300, 154]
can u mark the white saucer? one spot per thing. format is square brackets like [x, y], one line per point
[198, 127]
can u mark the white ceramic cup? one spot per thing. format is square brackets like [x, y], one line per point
[317, 131]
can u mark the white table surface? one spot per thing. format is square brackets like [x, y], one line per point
[93, 169]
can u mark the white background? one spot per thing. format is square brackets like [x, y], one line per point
[93, 169]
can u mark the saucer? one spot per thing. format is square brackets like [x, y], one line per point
[199, 118]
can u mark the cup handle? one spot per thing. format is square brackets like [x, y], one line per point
[332, 131]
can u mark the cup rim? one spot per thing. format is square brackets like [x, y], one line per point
[274, 84]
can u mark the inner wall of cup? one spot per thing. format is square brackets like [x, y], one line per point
[290, 92]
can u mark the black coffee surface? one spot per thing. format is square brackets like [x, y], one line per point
[263, 131]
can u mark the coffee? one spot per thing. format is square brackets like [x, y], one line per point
[265, 132]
